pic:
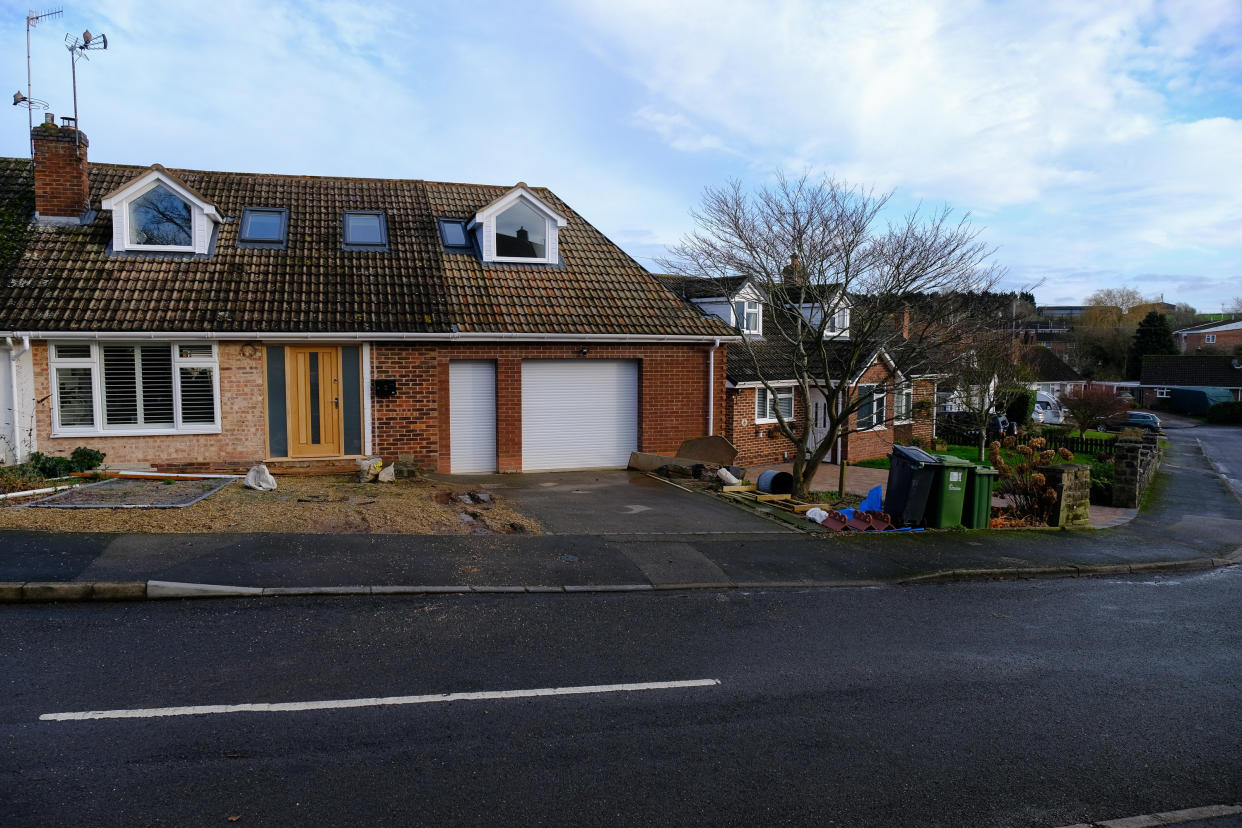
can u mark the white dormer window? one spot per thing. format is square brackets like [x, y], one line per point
[518, 227]
[157, 213]
[748, 317]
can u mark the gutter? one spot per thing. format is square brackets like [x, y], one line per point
[371, 336]
[14, 356]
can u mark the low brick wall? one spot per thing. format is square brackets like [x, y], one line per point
[1072, 483]
[1136, 462]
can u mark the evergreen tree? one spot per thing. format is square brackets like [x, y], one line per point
[1153, 336]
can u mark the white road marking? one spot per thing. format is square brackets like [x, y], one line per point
[341, 704]
[635, 509]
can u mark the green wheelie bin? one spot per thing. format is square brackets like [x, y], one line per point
[979, 484]
[948, 494]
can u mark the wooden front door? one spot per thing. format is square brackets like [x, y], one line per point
[314, 398]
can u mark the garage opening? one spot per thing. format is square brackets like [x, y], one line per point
[578, 414]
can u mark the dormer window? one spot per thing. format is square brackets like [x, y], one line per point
[159, 218]
[157, 213]
[518, 227]
[366, 230]
[748, 317]
[521, 233]
[264, 227]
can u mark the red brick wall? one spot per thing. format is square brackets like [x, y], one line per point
[764, 445]
[240, 444]
[413, 426]
[1225, 342]
[757, 444]
[61, 184]
[922, 426]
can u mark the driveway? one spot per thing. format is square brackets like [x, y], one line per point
[616, 503]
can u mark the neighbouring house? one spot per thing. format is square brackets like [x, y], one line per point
[750, 420]
[194, 320]
[1188, 382]
[1211, 338]
[1048, 372]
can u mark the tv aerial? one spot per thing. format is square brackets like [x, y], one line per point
[78, 47]
[29, 100]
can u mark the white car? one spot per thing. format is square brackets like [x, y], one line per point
[1047, 413]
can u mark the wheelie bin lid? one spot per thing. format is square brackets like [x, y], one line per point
[986, 471]
[950, 460]
[913, 454]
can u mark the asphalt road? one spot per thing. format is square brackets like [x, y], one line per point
[1038, 703]
[1223, 445]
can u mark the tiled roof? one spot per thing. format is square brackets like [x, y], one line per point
[68, 282]
[697, 287]
[1045, 366]
[774, 361]
[1193, 370]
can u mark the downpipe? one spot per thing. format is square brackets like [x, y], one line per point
[14, 356]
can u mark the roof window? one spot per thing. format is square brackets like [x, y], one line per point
[264, 227]
[453, 233]
[366, 230]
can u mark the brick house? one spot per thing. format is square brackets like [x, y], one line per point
[194, 320]
[901, 409]
[1163, 375]
[1213, 338]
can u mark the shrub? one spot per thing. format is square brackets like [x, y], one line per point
[1225, 413]
[46, 466]
[1021, 407]
[1102, 473]
[85, 459]
[1023, 483]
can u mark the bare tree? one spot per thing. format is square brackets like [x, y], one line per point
[1091, 404]
[818, 249]
[1235, 306]
[988, 377]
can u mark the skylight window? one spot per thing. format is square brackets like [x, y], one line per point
[264, 227]
[366, 230]
[453, 233]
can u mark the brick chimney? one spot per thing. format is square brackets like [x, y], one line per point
[62, 189]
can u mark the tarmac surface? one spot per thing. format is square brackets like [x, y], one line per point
[627, 531]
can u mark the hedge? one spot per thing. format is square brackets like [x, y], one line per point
[1225, 413]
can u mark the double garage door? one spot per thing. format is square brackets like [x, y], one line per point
[576, 414]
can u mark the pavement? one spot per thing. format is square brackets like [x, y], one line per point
[619, 531]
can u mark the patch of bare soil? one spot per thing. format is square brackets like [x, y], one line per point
[316, 504]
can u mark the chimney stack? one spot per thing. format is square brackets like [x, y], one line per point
[62, 187]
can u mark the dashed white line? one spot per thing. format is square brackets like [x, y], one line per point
[342, 704]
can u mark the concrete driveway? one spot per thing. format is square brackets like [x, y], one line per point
[611, 502]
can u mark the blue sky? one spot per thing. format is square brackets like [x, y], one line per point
[1098, 143]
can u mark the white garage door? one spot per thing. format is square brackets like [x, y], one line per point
[578, 414]
[472, 416]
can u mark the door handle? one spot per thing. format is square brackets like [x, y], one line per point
[336, 401]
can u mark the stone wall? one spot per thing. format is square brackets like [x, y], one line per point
[1136, 461]
[1072, 484]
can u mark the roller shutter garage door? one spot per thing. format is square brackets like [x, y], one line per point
[578, 414]
[472, 416]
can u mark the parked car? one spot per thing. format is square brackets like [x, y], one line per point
[1132, 419]
[1047, 413]
[960, 425]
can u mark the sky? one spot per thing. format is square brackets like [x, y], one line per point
[1095, 143]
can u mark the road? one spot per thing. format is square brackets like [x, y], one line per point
[1036, 703]
[1223, 446]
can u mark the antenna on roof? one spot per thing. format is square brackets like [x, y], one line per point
[78, 47]
[28, 100]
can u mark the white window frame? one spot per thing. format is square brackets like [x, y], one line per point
[1162, 393]
[763, 403]
[1209, 339]
[878, 411]
[95, 363]
[903, 404]
[749, 306]
[203, 216]
[485, 222]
